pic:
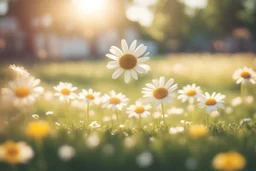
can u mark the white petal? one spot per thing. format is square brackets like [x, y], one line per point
[124, 46]
[143, 59]
[140, 50]
[133, 46]
[169, 83]
[161, 81]
[140, 69]
[110, 56]
[117, 73]
[116, 51]
[134, 74]
[127, 76]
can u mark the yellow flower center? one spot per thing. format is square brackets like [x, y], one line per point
[89, 96]
[38, 129]
[245, 74]
[191, 93]
[114, 100]
[22, 92]
[12, 152]
[127, 61]
[160, 93]
[210, 102]
[65, 91]
[139, 109]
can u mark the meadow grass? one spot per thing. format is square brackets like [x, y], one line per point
[119, 148]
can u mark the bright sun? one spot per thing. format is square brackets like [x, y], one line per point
[90, 7]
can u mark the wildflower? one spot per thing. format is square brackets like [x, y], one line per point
[90, 96]
[19, 70]
[245, 120]
[93, 140]
[23, 91]
[94, 124]
[189, 93]
[129, 60]
[114, 100]
[175, 130]
[245, 75]
[138, 110]
[49, 113]
[66, 152]
[65, 91]
[14, 153]
[159, 91]
[231, 161]
[35, 116]
[198, 131]
[236, 101]
[38, 129]
[175, 111]
[144, 159]
[211, 102]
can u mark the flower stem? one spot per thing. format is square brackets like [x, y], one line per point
[41, 163]
[207, 120]
[243, 91]
[163, 113]
[117, 118]
[67, 114]
[139, 121]
[87, 114]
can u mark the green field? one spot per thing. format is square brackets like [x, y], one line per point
[120, 148]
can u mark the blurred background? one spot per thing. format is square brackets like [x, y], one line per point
[85, 29]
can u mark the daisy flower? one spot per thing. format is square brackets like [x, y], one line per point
[22, 91]
[19, 70]
[138, 110]
[245, 75]
[211, 102]
[128, 60]
[65, 91]
[189, 93]
[159, 91]
[114, 101]
[90, 96]
[14, 153]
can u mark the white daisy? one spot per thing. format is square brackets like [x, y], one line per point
[65, 91]
[211, 102]
[66, 152]
[189, 93]
[114, 100]
[19, 70]
[159, 91]
[22, 91]
[14, 153]
[245, 75]
[138, 109]
[90, 96]
[129, 60]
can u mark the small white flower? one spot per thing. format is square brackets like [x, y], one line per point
[35, 116]
[175, 130]
[249, 99]
[229, 110]
[144, 159]
[106, 119]
[138, 109]
[157, 115]
[245, 75]
[90, 96]
[245, 120]
[128, 60]
[130, 142]
[19, 70]
[23, 91]
[175, 111]
[114, 101]
[185, 122]
[236, 101]
[48, 95]
[94, 124]
[66, 152]
[189, 93]
[159, 91]
[211, 102]
[57, 123]
[49, 113]
[93, 140]
[65, 91]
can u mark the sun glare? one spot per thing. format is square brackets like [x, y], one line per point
[89, 7]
